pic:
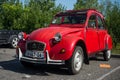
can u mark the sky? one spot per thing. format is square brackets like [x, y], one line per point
[69, 4]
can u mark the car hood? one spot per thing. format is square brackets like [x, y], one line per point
[48, 33]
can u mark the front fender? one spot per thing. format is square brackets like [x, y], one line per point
[67, 43]
[21, 45]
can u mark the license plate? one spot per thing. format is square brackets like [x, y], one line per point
[35, 54]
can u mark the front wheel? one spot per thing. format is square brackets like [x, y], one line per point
[107, 55]
[76, 61]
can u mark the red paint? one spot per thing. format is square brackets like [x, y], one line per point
[95, 39]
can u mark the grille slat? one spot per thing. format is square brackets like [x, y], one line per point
[38, 46]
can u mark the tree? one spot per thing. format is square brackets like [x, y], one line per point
[41, 13]
[113, 21]
[86, 4]
[9, 14]
[28, 16]
[3, 1]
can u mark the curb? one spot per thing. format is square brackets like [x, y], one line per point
[112, 55]
[115, 55]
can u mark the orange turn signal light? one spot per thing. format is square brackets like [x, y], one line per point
[62, 50]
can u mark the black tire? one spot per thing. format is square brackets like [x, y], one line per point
[27, 64]
[107, 55]
[14, 41]
[76, 61]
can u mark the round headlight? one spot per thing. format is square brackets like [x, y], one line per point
[21, 35]
[58, 37]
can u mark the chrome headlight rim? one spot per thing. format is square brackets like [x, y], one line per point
[21, 35]
[58, 37]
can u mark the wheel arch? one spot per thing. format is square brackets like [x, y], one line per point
[108, 42]
[83, 45]
[10, 38]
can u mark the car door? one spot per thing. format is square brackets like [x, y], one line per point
[92, 35]
[101, 32]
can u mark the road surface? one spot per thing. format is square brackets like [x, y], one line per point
[11, 69]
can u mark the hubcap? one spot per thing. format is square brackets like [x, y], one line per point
[78, 59]
[15, 42]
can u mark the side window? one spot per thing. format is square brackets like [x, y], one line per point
[92, 22]
[100, 23]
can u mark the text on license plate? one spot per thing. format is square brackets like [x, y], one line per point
[35, 54]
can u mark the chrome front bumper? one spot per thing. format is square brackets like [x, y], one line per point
[47, 60]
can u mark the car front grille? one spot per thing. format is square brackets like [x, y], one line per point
[38, 46]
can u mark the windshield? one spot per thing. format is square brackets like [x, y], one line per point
[70, 19]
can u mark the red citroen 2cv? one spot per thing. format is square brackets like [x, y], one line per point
[71, 38]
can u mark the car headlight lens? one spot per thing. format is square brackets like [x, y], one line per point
[58, 37]
[21, 35]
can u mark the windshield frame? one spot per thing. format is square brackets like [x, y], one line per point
[75, 19]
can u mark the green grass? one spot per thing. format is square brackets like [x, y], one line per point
[117, 49]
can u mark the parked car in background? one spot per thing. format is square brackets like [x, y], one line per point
[9, 37]
[71, 38]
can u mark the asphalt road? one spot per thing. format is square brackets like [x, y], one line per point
[11, 69]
